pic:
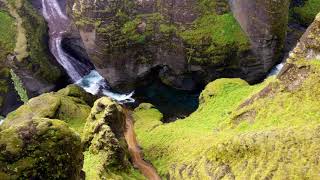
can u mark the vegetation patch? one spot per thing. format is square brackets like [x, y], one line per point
[19, 87]
[225, 138]
[308, 11]
[213, 38]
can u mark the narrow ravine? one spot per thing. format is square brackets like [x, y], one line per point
[137, 159]
[80, 73]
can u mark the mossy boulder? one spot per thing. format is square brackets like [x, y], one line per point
[55, 105]
[40, 148]
[106, 149]
[41, 139]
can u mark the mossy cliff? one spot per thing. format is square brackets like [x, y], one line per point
[265, 22]
[37, 142]
[106, 152]
[59, 136]
[266, 131]
[182, 43]
[24, 47]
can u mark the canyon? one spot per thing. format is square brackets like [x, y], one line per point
[220, 89]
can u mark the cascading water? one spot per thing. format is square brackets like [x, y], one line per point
[94, 83]
[276, 70]
[80, 73]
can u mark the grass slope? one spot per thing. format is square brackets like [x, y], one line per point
[273, 134]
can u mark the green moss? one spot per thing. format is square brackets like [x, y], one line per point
[213, 38]
[308, 11]
[185, 140]
[70, 109]
[40, 148]
[94, 169]
[241, 131]
[7, 36]
[151, 119]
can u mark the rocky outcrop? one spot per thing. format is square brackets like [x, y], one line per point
[36, 141]
[264, 22]
[184, 43]
[40, 149]
[104, 140]
[309, 45]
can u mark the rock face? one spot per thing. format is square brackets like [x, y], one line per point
[264, 22]
[37, 143]
[309, 45]
[104, 140]
[184, 43]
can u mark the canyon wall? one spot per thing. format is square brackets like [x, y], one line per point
[265, 22]
[184, 43]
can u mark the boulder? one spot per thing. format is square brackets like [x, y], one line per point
[40, 148]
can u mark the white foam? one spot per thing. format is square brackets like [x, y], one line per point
[276, 70]
[94, 83]
[52, 7]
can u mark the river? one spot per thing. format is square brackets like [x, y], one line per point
[90, 79]
[135, 151]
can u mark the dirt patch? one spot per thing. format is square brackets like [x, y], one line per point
[248, 116]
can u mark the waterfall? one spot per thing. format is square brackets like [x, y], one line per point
[94, 83]
[80, 73]
[276, 70]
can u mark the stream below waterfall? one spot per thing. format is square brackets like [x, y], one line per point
[79, 72]
[88, 78]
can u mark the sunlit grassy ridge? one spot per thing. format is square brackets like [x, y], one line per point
[274, 135]
[188, 138]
